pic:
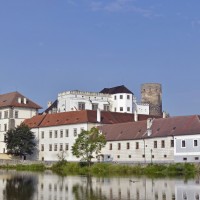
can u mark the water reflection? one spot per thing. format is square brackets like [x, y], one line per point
[20, 187]
[48, 186]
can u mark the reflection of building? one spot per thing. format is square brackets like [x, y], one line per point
[189, 191]
[49, 186]
[14, 108]
[115, 99]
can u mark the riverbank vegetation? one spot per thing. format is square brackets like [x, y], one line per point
[108, 169]
[23, 167]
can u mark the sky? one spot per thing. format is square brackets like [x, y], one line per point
[52, 46]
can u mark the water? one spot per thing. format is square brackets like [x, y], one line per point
[48, 186]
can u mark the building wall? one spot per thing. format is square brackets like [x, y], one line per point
[68, 101]
[140, 150]
[152, 94]
[122, 102]
[14, 117]
[62, 136]
[187, 148]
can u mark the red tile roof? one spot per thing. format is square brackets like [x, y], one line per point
[77, 117]
[173, 126]
[11, 100]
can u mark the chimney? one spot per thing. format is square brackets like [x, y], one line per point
[149, 125]
[135, 116]
[49, 103]
[98, 115]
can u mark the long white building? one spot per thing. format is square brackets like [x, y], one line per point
[151, 140]
[56, 133]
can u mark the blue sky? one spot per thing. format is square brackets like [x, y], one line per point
[51, 46]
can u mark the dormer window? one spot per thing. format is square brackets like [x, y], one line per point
[19, 100]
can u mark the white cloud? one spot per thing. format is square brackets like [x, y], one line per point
[119, 6]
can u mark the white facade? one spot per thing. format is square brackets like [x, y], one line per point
[77, 100]
[55, 140]
[148, 150]
[120, 102]
[11, 118]
[187, 148]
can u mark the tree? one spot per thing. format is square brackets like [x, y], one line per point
[87, 144]
[20, 141]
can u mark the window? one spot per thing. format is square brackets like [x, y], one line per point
[183, 143]
[195, 143]
[128, 145]
[115, 109]
[185, 159]
[110, 146]
[50, 147]
[172, 143]
[75, 132]
[106, 107]
[0, 115]
[165, 156]
[119, 146]
[42, 134]
[129, 156]
[118, 156]
[66, 147]
[61, 133]
[115, 97]
[162, 144]
[121, 108]
[67, 133]
[128, 109]
[42, 147]
[155, 144]
[196, 158]
[128, 96]
[121, 96]
[81, 106]
[5, 127]
[137, 145]
[50, 134]
[55, 147]
[94, 106]
[5, 114]
[16, 114]
[61, 147]
[55, 134]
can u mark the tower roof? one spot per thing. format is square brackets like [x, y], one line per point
[116, 90]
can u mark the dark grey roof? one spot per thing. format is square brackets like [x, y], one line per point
[116, 90]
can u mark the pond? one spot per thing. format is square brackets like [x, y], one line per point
[48, 186]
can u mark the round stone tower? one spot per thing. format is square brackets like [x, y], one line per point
[151, 93]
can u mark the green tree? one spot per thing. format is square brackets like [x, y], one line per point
[87, 144]
[20, 141]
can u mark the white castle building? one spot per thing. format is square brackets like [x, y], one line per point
[116, 99]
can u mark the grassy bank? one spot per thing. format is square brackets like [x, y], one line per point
[107, 169]
[22, 167]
